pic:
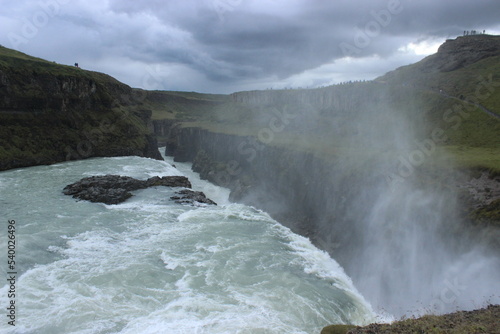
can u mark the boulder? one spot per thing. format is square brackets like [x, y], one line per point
[168, 181]
[190, 197]
[114, 189]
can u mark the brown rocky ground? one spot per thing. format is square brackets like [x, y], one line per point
[486, 320]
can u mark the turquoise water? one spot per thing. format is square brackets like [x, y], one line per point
[149, 265]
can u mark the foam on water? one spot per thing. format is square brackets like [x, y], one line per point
[218, 194]
[152, 266]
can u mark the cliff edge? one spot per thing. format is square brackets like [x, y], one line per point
[463, 51]
[51, 113]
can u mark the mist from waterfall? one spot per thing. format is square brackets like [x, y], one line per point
[415, 253]
[386, 206]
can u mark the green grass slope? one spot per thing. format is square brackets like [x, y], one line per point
[452, 99]
[454, 93]
[51, 113]
[434, 95]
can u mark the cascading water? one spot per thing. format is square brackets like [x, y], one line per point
[416, 259]
[150, 265]
[414, 253]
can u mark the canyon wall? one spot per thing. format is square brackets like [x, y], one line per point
[52, 113]
[392, 239]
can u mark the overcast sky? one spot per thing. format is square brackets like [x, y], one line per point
[222, 46]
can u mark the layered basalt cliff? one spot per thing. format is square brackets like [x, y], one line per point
[51, 113]
[339, 97]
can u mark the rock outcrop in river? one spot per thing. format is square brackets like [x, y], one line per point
[115, 189]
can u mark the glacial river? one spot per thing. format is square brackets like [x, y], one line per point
[150, 265]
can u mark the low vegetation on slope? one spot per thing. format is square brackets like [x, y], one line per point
[463, 322]
[51, 113]
[447, 103]
[325, 120]
[462, 98]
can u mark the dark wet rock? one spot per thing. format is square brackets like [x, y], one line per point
[168, 181]
[104, 195]
[190, 197]
[105, 182]
[337, 329]
[114, 189]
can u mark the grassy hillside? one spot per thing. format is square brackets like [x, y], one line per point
[324, 121]
[24, 64]
[370, 126]
[183, 106]
[51, 112]
[451, 97]
[428, 93]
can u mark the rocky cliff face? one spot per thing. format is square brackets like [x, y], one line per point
[466, 50]
[266, 177]
[39, 92]
[457, 53]
[339, 97]
[52, 113]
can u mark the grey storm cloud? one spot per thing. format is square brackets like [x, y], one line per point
[221, 43]
[304, 34]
